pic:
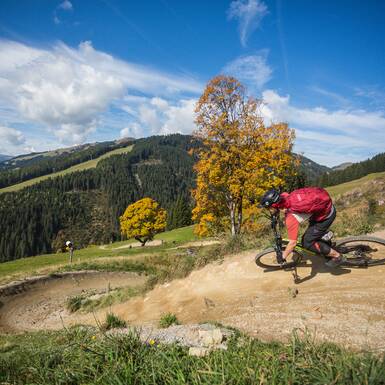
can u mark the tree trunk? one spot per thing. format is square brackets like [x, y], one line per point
[239, 218]
[142, 242]
[232, 219]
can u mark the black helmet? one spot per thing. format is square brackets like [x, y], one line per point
[270, 197]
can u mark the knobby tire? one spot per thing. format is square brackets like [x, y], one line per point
[359, 261]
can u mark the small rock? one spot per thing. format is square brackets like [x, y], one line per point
[210, 337]
[198, 352]
[293, 292]
[209, 303]
[217, 336]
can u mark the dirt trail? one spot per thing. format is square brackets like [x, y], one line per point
[342, 305]
[40, 304]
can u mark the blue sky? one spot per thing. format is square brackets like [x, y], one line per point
[78, 71]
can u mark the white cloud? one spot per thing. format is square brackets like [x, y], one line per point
[328, 135]
[158, 116]
[148, 116]
[249, 13]
[180, 118]
[252, 70]
[66, 5]
[133, 130]
[160, 103]
[11, 136]
[67, 89]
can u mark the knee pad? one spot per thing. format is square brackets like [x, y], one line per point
[320, 247]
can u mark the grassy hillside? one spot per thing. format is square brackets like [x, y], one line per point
[31, 265]
[79, 167]
[345, 187]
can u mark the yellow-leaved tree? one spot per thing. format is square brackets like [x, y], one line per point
[142, 220]
[241, 157]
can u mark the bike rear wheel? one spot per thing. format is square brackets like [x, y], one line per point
[267, 259]
[362, 250]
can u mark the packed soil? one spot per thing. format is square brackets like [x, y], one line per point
[343, 305]
[39, 303]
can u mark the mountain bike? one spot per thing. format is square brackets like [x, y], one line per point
[359, 251]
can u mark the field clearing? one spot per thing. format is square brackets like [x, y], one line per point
[23, 267]
[78, 167]
[344, 187]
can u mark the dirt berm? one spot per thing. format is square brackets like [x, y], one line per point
[342, 305]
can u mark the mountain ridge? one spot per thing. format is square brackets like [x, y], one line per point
[42, 165]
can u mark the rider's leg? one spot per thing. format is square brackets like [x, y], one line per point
[312, 239]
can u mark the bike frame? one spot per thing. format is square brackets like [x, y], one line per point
[276, 226]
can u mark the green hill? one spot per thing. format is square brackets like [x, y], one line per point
[78, 167]
[353, 172]
[85, 205]
[26, 167]
[357, 183]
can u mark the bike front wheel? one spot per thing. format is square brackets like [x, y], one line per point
[362, 250]
[267, 259]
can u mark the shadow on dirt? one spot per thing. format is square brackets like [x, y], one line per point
[316, 265]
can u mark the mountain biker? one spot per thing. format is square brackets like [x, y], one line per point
[311, 204]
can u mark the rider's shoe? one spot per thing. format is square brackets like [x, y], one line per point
[335, 262]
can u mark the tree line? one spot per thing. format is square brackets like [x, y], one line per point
[354, 171]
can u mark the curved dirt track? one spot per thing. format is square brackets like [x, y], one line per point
[343, 305]
[40, 304]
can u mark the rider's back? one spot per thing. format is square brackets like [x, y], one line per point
[310, 200]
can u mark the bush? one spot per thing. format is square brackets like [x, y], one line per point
[167, 320]
[113, 322]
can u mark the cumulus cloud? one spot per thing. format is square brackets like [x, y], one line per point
[180, 118]
[328, 135]
[133, 130]
[158, 116]
[66, 5]
[249, 13]
[11, 136]
[252, 70]
[67, 89]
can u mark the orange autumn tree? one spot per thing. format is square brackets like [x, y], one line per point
[142, 220]
[240, 158]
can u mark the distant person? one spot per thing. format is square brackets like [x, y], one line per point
[70, 248]
[311, 204]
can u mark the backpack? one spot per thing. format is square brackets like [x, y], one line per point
[310, 200]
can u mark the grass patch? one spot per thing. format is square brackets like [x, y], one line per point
[113, 322]
[123, 265]
[167, 320]
[74, 303]
[355, 223]
[119, 295]
[82, 356]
